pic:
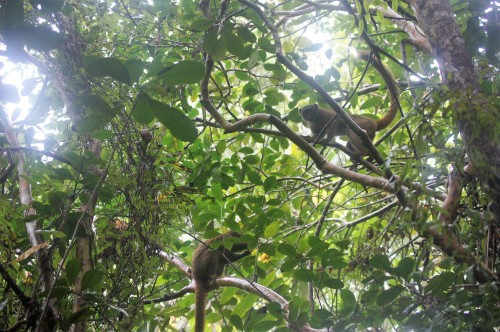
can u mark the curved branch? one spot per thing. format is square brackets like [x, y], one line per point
[450, 204]
[322, 164]
[172, 296]
[226, 281]
[449, 244]
[177, 262]
[328, 99]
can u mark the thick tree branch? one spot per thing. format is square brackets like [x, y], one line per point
[177, 262]
[43, 256]
[321, 163]
[416, 36]
[449, 244]
[450, 204]
[326, 97]
[476, 118]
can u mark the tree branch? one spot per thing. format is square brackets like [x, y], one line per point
[417, 37]
[226, 281]
[25, 300]
[327, 98]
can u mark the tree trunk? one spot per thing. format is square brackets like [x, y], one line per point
[476, 118]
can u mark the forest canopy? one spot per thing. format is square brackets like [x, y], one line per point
[352, 145]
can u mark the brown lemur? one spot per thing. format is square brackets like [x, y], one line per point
[317, 118]
[207, 264]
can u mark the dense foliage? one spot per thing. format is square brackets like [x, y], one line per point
[129, 144]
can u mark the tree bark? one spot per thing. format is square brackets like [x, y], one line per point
[476, 118]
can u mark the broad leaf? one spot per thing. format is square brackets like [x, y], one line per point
[107, 67]
[183, 72]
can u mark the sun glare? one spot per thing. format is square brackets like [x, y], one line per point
[15, 74]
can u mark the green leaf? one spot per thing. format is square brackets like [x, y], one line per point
[92, 104]
[287, 249]
[156, 65]
[72, 269]
[63, 173]
[135, 69]
[289, 265]
[177, 122]
[234, 44]
[343, 244]
[270, 183]
[245, 34]
[272, 229]
[92, 279]
[146, 108]
[321, 317]
[227, 295]
[106, 193]
[183, 72]
[381, 262]
[333, 283]
[304, 275]
[237, 322]
[70, 224]
[252, 159]
[97, 112]
[142, 110]
[212, 318]
[318, 247]
[103, 134]
[348, 299]
[60, 292]
[201, 24]
[214, 45]
[389, 295]
[250, 89]
[221, 147]
[405, 267]
[371, 102]
[274, 309]
[247, 302]
[217, 192]
[107, 67]
[440, 283]
[265, 325]
[254, 177]
[354, 99]
[273, 97]
[395, 5]
[89, 124]
[246, 150]
[333, 258]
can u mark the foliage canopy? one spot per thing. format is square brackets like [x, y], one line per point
[165, 123]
